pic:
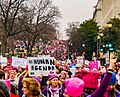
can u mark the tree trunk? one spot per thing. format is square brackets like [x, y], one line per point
[4, 45]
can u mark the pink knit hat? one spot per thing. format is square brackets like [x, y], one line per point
[74, 87]
[9, 60]
[52, 75]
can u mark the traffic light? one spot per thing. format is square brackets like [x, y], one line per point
[110, 46]
[70, 55]
[101, 48]
[111, 49]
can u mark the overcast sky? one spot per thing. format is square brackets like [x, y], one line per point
[74, 11]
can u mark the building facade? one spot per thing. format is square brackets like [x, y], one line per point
[106, 9]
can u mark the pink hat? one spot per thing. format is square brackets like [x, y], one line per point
[74, 86]
[9, 60]
[52, 75]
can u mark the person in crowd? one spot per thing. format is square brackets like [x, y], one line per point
[102, 72]
[9, 64]
[20, 69]
[117, 89]
[2, 75]
[114, 86]
[31, 88]
[12, 75]
[117, 85]
[12, 87]
[54, 89]
[63, 76]
[24, 74]
[75, 86]
[13, 82]
[67, 69]
[13, 90]
[4, 91]
[44, 82]
[78, 67]
[111, 92]
[2, 78]
[1, 67]
[8, 67]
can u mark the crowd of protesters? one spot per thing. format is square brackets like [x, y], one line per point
[101, 82]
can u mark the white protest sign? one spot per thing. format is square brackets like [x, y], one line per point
[15, 61]
[79, 58]
[23, 62]
[73, 71]
[40, 65]
[3, 61]
[87, 62]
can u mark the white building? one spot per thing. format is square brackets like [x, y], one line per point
[106, 9]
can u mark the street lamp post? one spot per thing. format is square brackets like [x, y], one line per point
[109, 45]
[98, 45]
[83, 53]
[99, 39]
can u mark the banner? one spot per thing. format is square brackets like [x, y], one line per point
[22, 62]
[40, 65]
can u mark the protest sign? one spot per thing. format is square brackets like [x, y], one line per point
[40, 65]
[73, 71]
[94, 65]
[87, 62]
[80, 60]
[15, 61]
[3, 61]
[23, 62]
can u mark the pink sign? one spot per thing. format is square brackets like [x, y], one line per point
[93, 65]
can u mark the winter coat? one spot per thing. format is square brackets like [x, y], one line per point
[47, 91]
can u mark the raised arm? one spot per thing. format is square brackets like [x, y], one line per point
[105, 82]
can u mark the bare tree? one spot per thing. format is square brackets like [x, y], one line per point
[39, 18]
[28, 17]
[10, 10]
